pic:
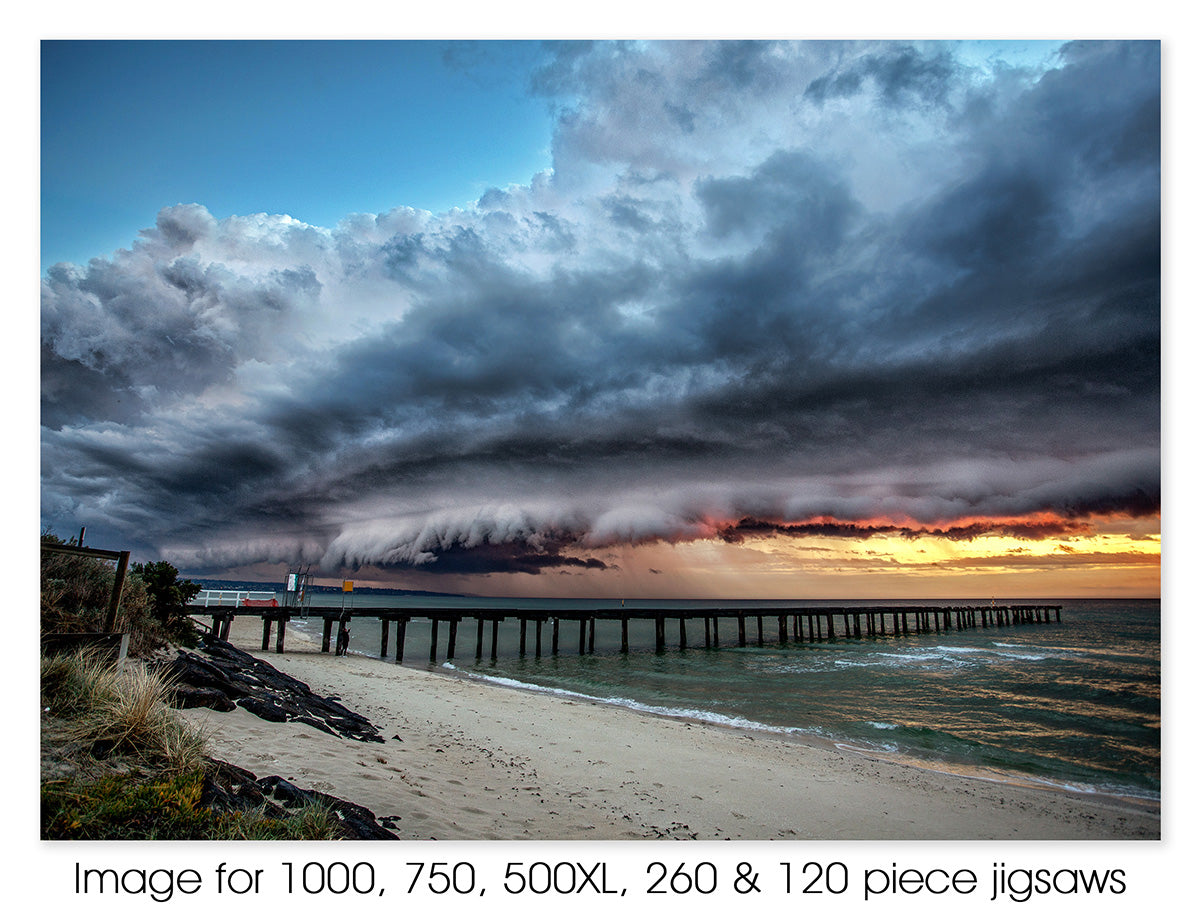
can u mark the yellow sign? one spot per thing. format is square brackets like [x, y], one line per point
[347, 585]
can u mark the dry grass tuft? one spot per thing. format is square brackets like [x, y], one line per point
[119, 711]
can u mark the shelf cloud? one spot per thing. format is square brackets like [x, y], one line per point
[767, 288]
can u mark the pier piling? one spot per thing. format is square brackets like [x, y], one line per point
[811, 624]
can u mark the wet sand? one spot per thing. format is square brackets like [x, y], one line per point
[464, 760]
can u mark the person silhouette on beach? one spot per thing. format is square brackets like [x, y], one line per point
[343, 637]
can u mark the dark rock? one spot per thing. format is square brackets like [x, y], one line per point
[193, 671]
[286, 793]
[259, 688]
[185, 697]
[230, 788]
[267, 708]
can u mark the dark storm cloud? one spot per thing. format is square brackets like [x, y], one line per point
[749, 527]
[878, 289]
[894, 73]
[506, 558]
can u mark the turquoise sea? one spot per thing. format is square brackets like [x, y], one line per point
[1074, 704]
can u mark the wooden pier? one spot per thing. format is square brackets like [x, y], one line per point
[779, 626]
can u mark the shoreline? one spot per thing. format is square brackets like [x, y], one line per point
[1016, 779]
[464, 760]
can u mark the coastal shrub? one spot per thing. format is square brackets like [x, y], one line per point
[169, 595]
[75, 592]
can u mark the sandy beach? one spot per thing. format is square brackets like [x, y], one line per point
[463, 760]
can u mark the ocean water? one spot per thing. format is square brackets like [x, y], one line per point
[1074, 704]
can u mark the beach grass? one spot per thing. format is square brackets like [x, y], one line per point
[130, 767]
[119, 711]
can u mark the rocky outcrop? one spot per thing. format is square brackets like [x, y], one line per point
[224, 677]
[230, 788]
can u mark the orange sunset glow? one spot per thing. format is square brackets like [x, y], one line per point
[1107, 556]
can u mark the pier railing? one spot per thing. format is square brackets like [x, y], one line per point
[213, 597]
[780, 626]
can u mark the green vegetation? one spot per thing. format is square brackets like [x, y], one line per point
[133, 768]
[76, 591]
[169, 595]
[118, 762]
[167, 806]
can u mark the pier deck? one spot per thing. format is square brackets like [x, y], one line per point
[784, 625]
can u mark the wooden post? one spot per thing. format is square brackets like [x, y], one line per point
[384, 624]
[114, 601]
[433, 628]
[716, 638]
[401, 627]
[741, 619]
[521, 650]
[682, 632]
[625, 634]
[495, 630]
[479, 638]
[829, 621]
[592, 635]
[760, 636]
[660, 636]
[453, 637]
[582, 635]
[266, 644]
[554, 637]
[326, 634]
[707, 632]
[279, 635]
[537, 644]
[782, 629]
